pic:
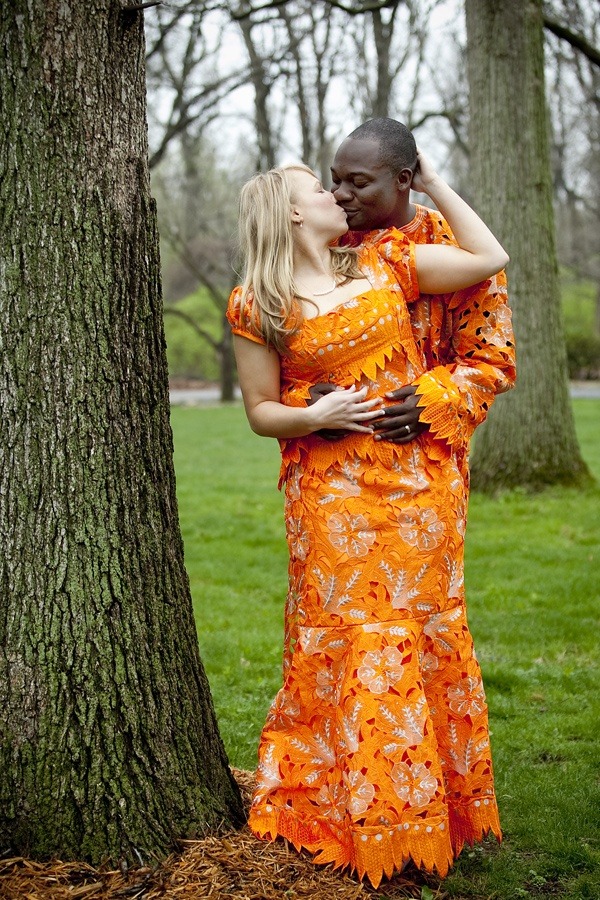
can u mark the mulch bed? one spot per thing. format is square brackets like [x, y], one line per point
[234, 865]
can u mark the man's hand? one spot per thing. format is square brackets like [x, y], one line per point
[400, 423]
[316, 392]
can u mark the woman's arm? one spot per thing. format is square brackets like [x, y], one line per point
[443, 268]
[259, 376]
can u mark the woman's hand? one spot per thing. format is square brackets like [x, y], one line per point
[424, 175]
[345, 408]
[443, 268]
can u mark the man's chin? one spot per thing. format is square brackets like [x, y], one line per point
[355, 222]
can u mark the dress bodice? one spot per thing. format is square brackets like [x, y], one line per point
[367, 340]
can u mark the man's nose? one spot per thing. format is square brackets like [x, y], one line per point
[341, 192]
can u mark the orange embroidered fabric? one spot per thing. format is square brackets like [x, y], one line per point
[376, 748]
[466, 339]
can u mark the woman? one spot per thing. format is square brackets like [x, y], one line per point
[381, 689]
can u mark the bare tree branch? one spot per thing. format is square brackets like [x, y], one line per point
[238, 15]
[164, 28]
[574, 39]
[218, 297]
[208, 97]
[136, 7]
[173, 311]
[352, 10]
[362, 7]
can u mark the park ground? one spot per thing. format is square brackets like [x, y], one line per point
[533, 588]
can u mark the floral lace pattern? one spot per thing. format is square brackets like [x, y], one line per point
[376, 748]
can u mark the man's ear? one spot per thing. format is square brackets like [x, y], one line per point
[404, 179]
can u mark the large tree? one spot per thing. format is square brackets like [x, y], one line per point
[108, 742]
[529, 440]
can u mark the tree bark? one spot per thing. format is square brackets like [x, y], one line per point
[529, 440]
[109, 746]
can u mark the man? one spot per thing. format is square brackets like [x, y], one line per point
[467, 357]
[466, 338]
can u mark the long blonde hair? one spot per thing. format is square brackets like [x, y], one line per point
[267, 248]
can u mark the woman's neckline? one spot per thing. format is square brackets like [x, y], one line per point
[338, 306]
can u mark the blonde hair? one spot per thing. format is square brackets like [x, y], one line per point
[267, 248]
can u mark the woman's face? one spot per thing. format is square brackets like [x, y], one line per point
[316, 208]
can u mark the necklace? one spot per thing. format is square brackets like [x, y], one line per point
[328, 291]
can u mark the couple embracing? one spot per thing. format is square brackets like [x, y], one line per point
[371, 337]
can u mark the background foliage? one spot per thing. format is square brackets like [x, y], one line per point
[238, 86]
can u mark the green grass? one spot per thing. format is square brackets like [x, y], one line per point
[533, 589]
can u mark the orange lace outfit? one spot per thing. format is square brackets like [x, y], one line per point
[376, 748]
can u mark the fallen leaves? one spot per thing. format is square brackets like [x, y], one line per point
[232, 866]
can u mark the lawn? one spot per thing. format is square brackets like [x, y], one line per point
[533, 589]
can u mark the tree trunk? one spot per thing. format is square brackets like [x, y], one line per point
[261, 84]
[529, 440]
[383, 33]
[108, 741]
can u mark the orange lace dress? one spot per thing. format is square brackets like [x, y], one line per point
[376, 748]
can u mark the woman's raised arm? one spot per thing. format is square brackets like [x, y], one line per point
[441, 267]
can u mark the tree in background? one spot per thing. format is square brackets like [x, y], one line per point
[197, 218]
[312, 64]
[529, 439]
[574, 88]
[184, 80]
[109, 747]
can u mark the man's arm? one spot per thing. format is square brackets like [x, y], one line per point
[454, 396]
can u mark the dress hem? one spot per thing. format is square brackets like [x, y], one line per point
[382, 851]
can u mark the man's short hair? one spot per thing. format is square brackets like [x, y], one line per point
[397, 146]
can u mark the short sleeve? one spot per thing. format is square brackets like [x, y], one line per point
[398, 253]
[242, 318]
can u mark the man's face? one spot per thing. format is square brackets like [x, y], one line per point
[368, 192]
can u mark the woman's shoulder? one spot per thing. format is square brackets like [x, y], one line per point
[242, 314]
[391, 245]
[235, 304]
[392, 255]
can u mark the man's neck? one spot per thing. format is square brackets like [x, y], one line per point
[405, 218]
[402, 219]
[354, 238]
